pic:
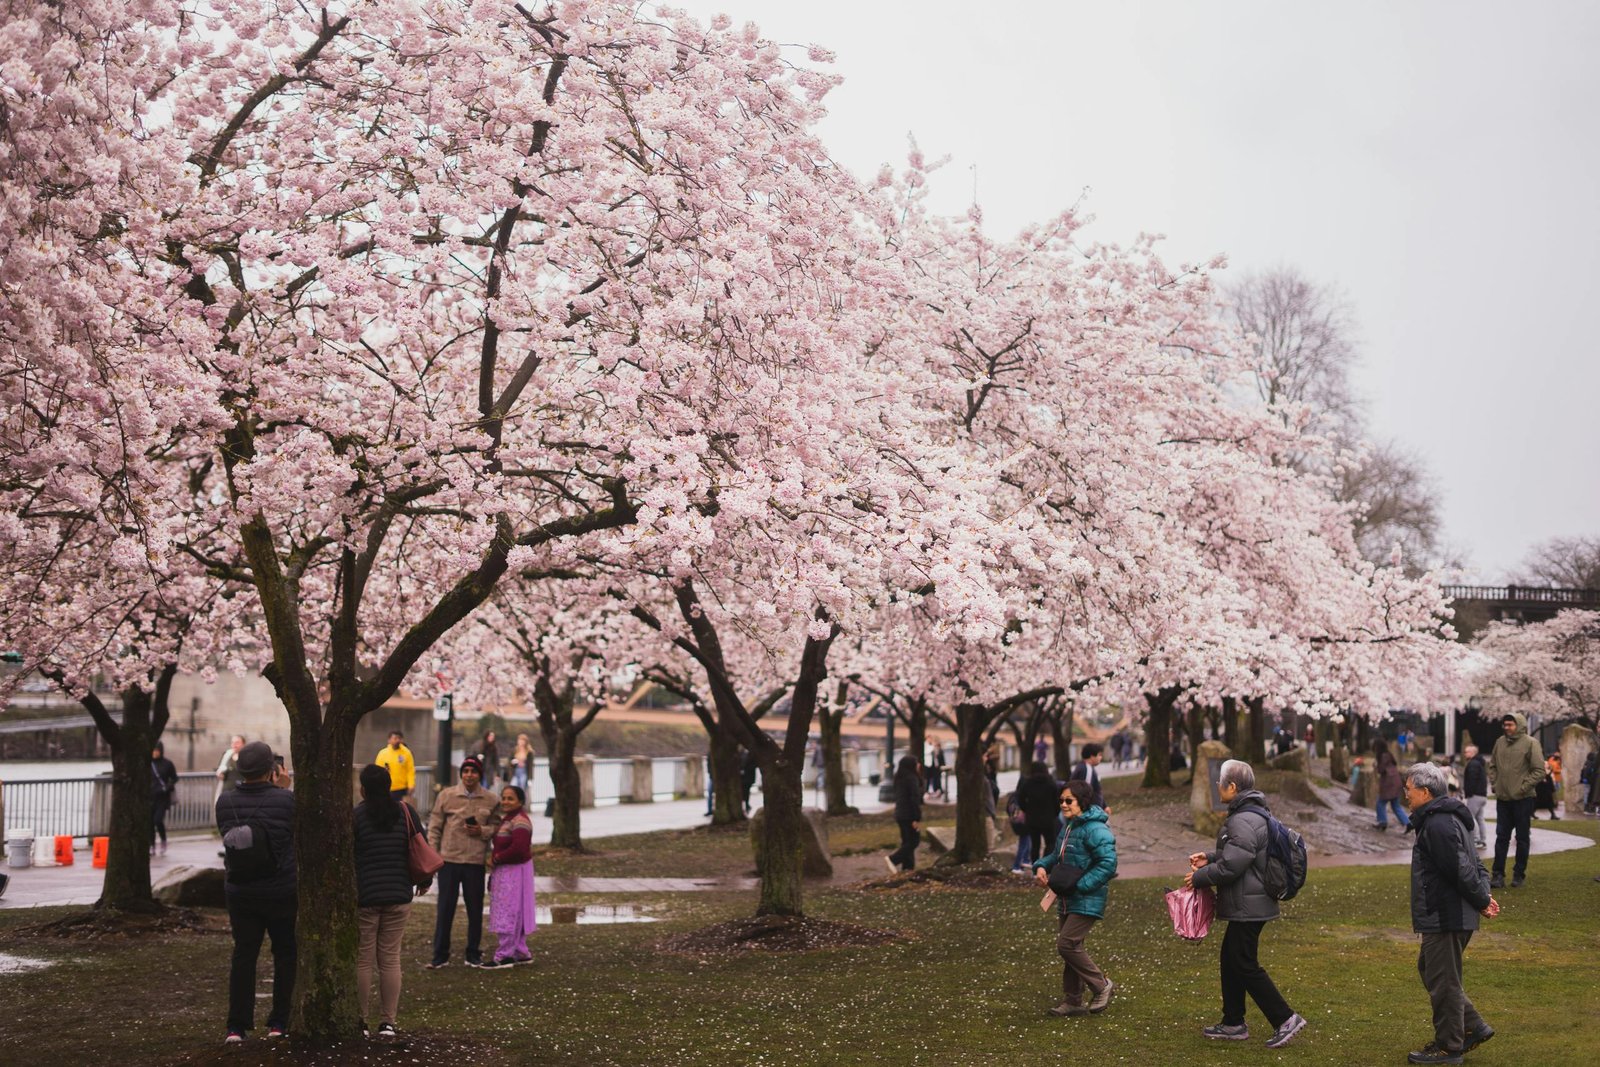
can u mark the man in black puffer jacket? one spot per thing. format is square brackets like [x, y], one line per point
[1449, 890]
[263, 904]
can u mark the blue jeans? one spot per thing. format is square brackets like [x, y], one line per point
[1024, 850]
[1399, 813]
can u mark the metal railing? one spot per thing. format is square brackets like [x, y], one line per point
[81, 807]
[1524, 593]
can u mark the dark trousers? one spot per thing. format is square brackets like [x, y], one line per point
[1439, 965]
[905, 857]
[250, 920]
[1512, 815]
[159, 803]
[459, 880]
[1043, 840]
[1242, 973]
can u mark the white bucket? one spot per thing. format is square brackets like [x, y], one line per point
[19, 850]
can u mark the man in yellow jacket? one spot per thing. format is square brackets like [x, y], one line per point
[397, 760]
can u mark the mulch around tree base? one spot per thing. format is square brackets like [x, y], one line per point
[289, 1052]
[776, 933]
[943, 876]
[96, 924]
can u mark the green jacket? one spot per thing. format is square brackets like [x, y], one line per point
[1517, 763]
[1085, 842]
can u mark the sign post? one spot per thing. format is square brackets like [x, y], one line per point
[444, 712]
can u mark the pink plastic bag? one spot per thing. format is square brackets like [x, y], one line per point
[1192, 911]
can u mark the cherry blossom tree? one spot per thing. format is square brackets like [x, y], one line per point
[1548, 670]
[418, 296]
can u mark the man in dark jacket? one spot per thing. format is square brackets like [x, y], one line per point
[1518, 764]
[1237, 868]
[1039, 797]
[260, 901]
[1449, 890]
[907, 815]
[1086, 770]
[1475, 791]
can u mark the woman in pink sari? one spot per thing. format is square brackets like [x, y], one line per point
[511, 915]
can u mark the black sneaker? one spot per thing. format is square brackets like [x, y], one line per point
[235, 1037]
[1497, 880]
[476, 963]
[1517, 880]
[1432, 1053]
[364, 1031]
[494, 965]
[274, 1032]
[387, 1032]
[1477, 1037]
[1228, 1032]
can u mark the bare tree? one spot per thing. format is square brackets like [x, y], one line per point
[1565, 562]
[1303, 338]
[1401, 505]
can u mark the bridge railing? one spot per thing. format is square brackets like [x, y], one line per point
[1525, 593]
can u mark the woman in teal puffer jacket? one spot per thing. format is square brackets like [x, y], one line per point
[1086, 842]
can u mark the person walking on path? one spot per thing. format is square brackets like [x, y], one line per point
[1449, 890]
[257, 824]
[1041, 750]
[1389, 786]
[460, 827]
[397, 759]
[1237, 867]
[227, 767]
[511, 900]
[1517, 763]
[1087, 770]
[163, 791]
[1475, 792]
[907, 815]
[1039, 796]
[1087, 843]
[384, 827]
[1117, 741]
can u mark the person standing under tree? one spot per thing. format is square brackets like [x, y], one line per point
[1518, 766]
[397, 759]
[257, 825]
[1475, 792]
[460, 827]
[1449, 890]
[163, 791]
[383, 828]
[227, 771]
[1087, 771]
[907, 815]
[1237, 868]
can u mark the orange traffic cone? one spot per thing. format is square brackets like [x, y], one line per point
[102, 845]
[63, 850]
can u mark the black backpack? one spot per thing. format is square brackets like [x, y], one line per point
[1285, 871]
[247, 853]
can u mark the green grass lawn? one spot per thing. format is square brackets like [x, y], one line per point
[969, 985]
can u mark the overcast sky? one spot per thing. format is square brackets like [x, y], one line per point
[1437, 162]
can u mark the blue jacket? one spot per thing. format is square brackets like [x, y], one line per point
[1085, 842]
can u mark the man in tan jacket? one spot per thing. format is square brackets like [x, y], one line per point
[463, 820]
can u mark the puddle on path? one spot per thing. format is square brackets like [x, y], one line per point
[22, 964]
[558, 914]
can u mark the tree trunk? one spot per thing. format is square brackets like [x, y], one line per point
[917, 732]
[726, 759]
[829, 722]
[1061, 740]
[127, 881]
[1196, 722]
[972, 840]
[324, 841]
[1158, 738]
[1230, 724]
[565, 823]
[1255, 739]
[782, 847]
